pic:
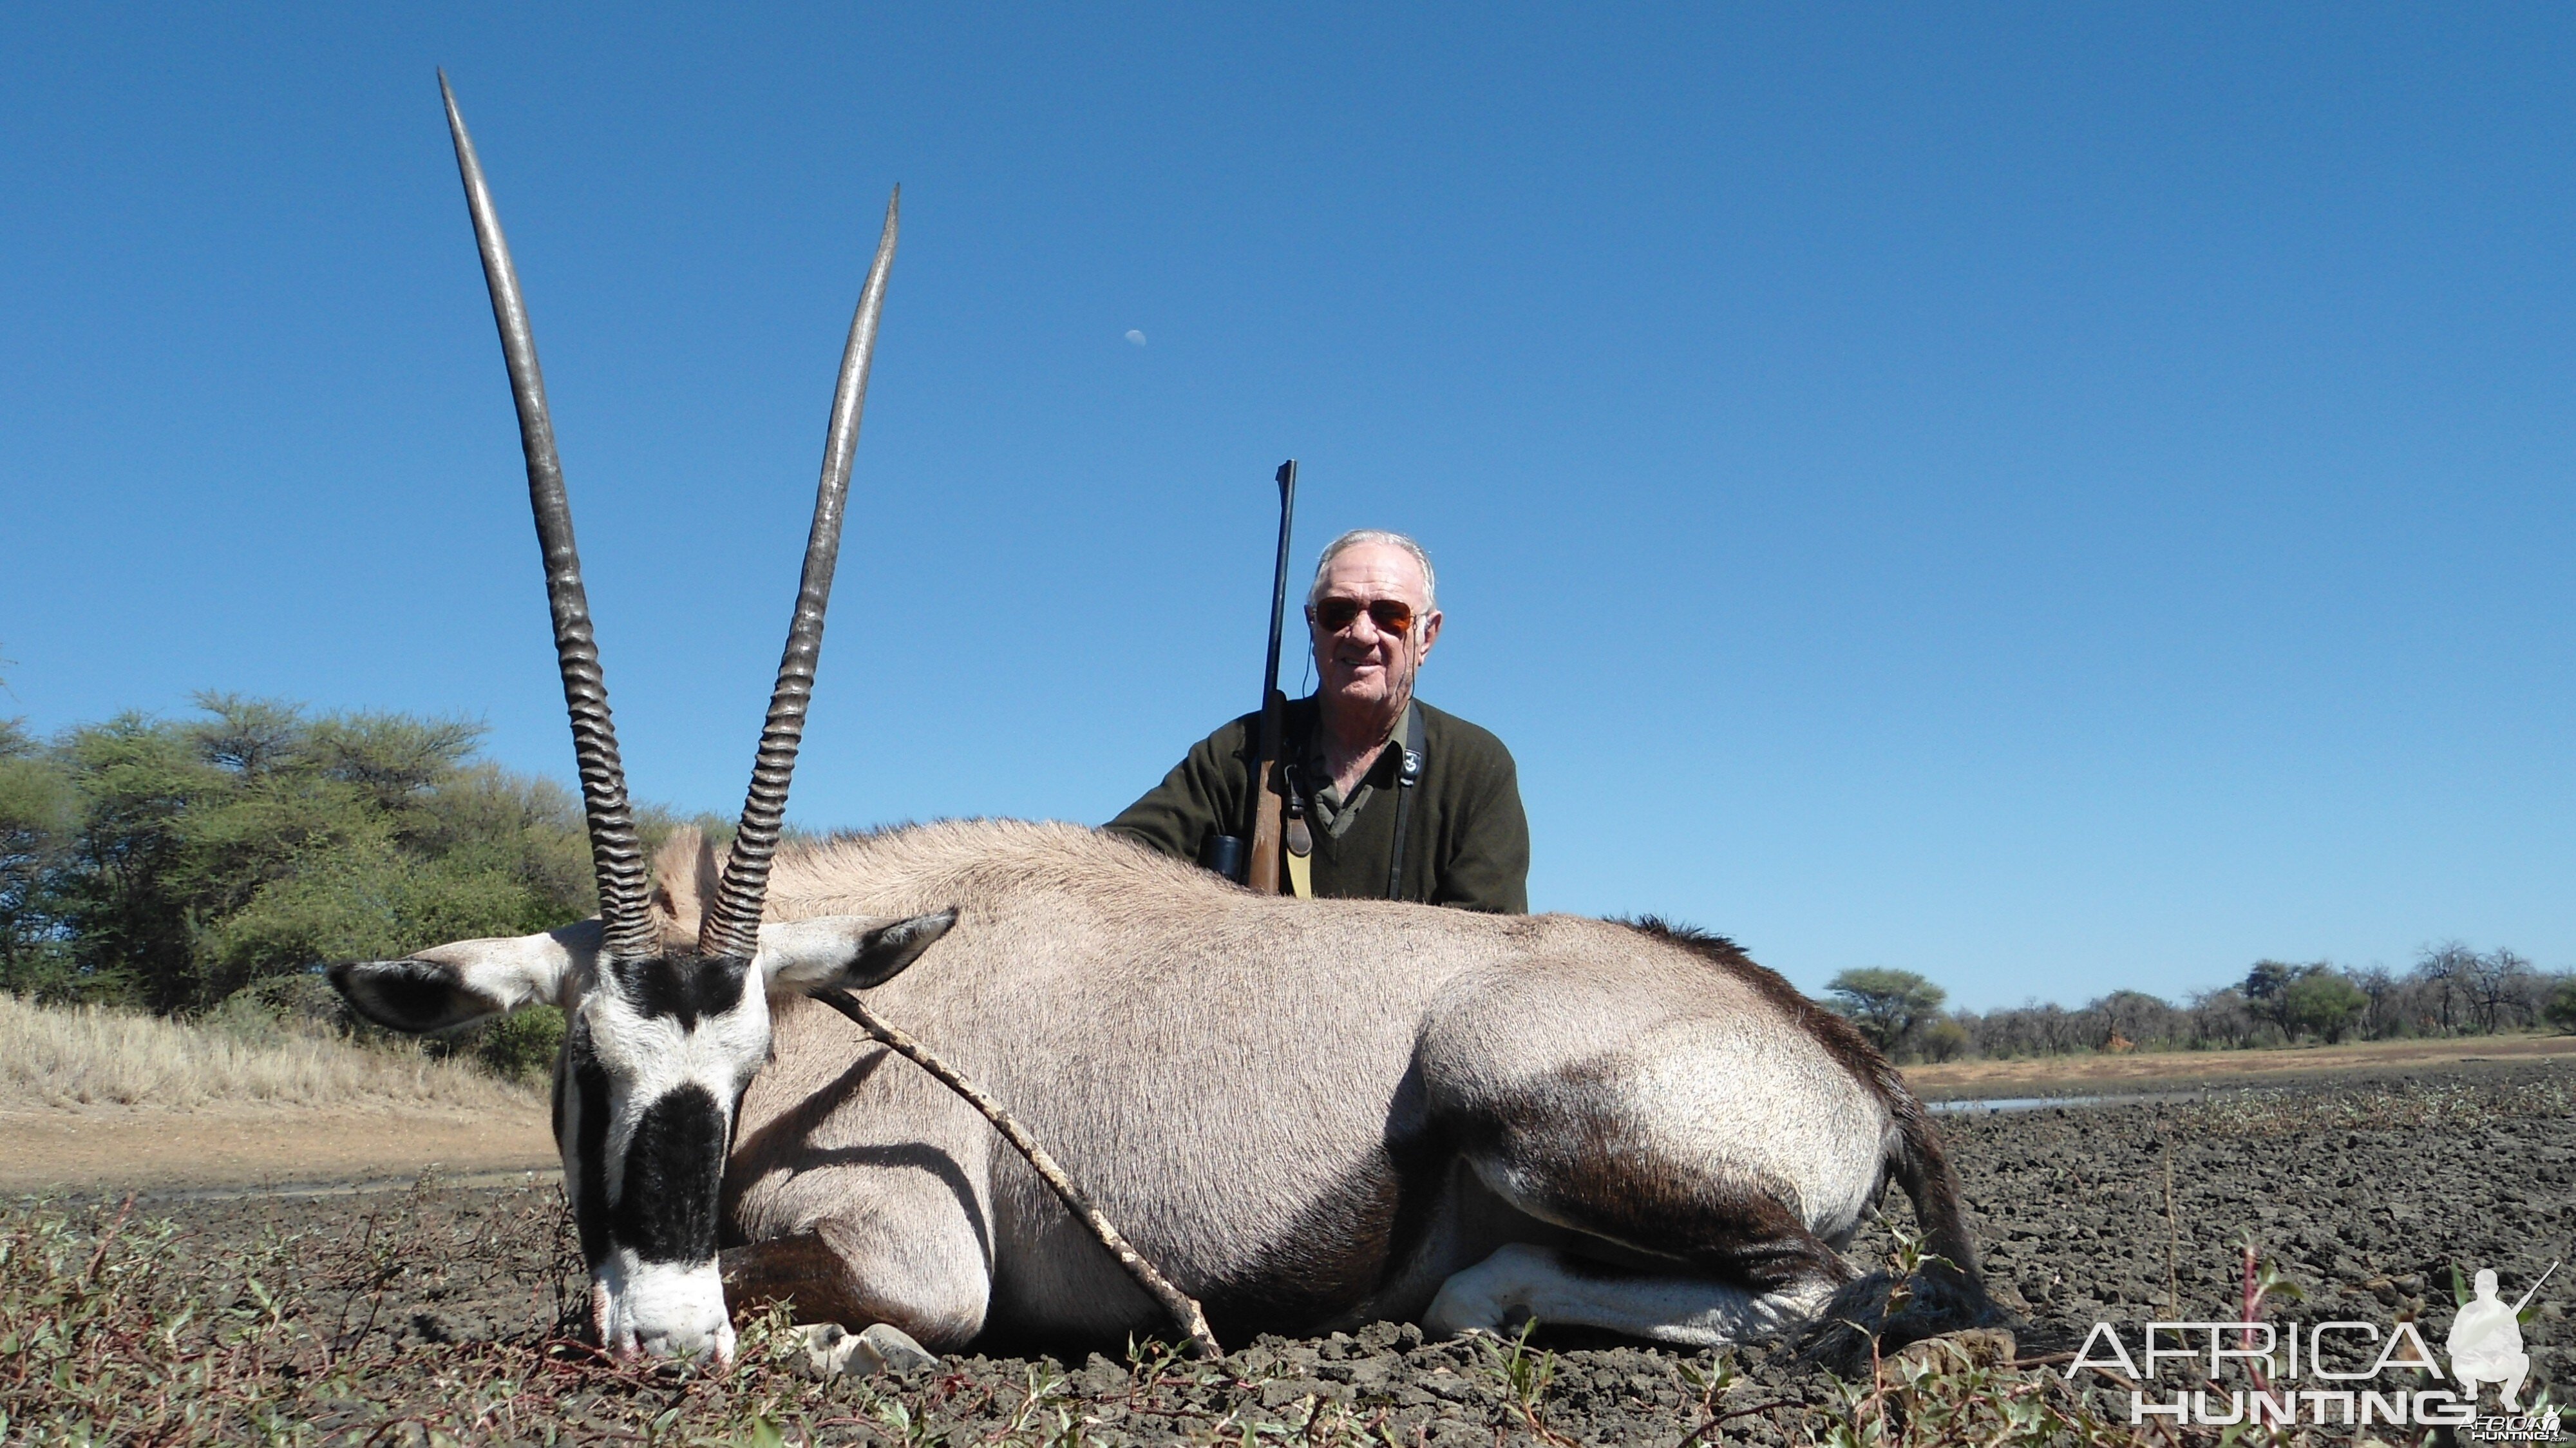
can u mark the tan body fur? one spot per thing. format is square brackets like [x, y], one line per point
[1307, 1113]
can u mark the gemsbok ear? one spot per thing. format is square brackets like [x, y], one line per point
[855, 951]
[456, 985]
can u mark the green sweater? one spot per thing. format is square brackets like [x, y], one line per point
[1466, 840]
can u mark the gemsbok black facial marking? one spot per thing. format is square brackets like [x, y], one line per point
[589, 1152]
[666, 1208]
[650, 1158]
[683, 990]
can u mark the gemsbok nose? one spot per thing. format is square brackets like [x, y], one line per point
[662, 1309]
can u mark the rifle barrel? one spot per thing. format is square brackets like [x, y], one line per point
[1287, 480]
[1263, 868]
[2535, 1289]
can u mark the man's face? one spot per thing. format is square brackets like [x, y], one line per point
[1362, 664]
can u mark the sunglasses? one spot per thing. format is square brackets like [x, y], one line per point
[1391, 615]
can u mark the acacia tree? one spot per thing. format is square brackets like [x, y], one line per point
[2441, 969]
[2268, 984]
[2379, 988]
[2498, 983]
[2135, 1017]
[204, 855]
[1887, 1005]
[36, 816]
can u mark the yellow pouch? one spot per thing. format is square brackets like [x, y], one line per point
[1297, 853]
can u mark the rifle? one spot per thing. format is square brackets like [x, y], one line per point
[1261, 870]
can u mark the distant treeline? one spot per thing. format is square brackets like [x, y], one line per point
[2450, 990]
[177, 864]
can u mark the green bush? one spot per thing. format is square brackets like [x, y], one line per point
[521, 1046]
[2322, 1003]
[1943, 1040]
[2560, 1010]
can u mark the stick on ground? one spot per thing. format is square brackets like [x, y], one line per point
[1183, 1308]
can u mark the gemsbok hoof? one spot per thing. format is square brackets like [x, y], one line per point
[833, 1351]
[895, 1350]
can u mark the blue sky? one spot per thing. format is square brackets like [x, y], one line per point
[2056, 498]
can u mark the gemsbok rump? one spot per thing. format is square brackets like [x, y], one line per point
[1309, 1114]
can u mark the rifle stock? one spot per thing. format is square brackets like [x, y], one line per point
[1263, 870]
[1268, 805]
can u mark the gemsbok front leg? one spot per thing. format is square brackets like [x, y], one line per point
[913, 1261]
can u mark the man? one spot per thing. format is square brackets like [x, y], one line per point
[1347, 792]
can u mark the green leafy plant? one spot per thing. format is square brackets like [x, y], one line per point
[522, 1045]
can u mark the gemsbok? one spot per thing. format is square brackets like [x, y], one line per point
[1310, 1114]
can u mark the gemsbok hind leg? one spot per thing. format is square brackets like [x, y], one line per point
[1703, 1161]
[1691, 1251]
[1738, 1271]
[1562, 1289]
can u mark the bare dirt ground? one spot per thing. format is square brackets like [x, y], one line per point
[118, 1149]
[441, 1314]
[2139, 1072]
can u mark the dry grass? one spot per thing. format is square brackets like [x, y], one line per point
[53, 1056]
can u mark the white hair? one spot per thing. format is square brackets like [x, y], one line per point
[1358, 536]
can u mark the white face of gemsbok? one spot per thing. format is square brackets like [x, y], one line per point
[657, 1053]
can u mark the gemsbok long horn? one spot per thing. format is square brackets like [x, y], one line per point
[616, 851]
[730, 929]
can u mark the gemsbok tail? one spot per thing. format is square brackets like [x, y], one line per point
[1923, 1169]
[1876, 1313]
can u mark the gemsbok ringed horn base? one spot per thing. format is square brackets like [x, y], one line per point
[1309, 1114]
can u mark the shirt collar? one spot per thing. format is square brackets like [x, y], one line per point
[1331, 810]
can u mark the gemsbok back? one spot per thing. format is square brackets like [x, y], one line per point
[1309, 1114]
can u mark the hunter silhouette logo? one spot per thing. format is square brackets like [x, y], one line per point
[2486, 1341]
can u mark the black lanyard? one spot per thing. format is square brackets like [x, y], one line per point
[1407, 774]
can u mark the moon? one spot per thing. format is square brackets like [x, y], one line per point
[1135, 337]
